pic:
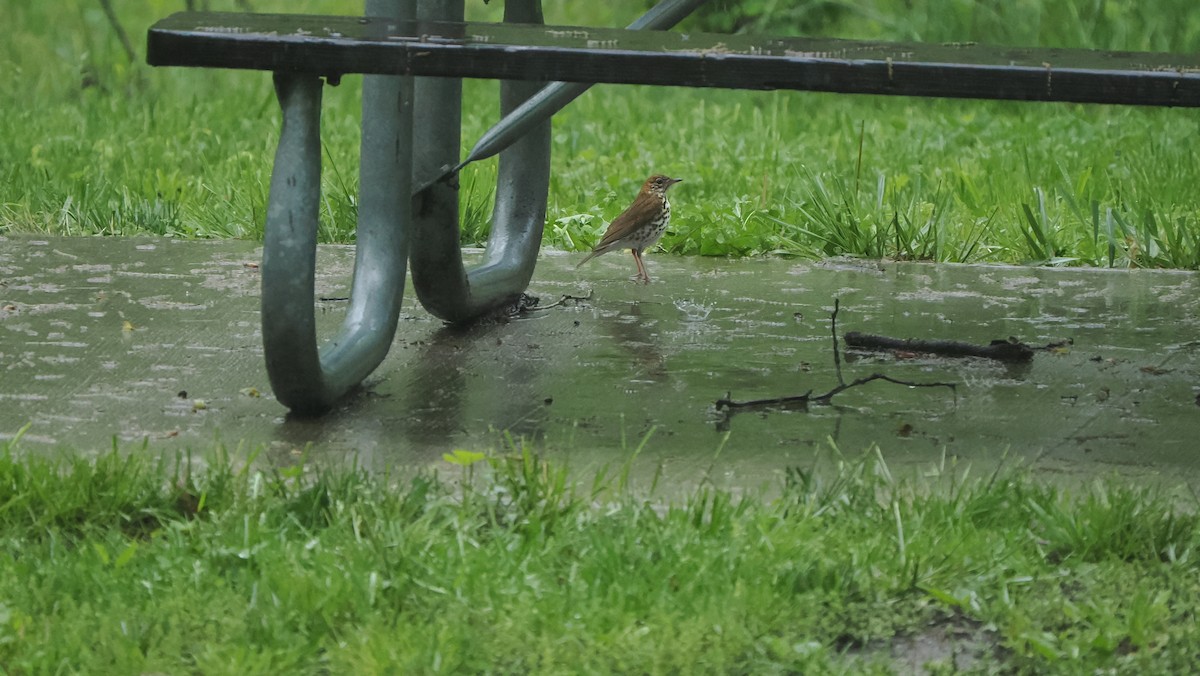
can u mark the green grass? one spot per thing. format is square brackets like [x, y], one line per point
[92, 144]
[130, 563]
[127, 564]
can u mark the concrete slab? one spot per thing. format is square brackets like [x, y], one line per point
[159, 340]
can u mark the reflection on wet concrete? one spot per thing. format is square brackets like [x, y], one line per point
[634, 334]
[436, 387]
[159, 340]
[439, 403]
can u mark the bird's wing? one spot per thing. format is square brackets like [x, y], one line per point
[642, 211]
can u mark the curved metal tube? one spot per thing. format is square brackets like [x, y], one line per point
[304, 379]
[556, 95]
[442, 283]
[309, 380]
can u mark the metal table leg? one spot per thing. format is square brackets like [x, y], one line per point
[305, 379]
[442, 283]
[309, 380]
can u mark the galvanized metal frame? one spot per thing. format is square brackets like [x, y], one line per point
[444, 286]
[409, 127]
[304, 378]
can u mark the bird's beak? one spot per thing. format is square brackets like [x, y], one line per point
[674, 181]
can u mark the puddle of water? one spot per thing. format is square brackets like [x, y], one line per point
[85, 358]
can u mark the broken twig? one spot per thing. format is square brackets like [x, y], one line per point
[728, 406]
[560, 301]
[837, 354]
[802, 400]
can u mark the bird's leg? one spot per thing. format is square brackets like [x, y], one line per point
[642, 276]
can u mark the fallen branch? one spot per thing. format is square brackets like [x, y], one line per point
[824, 398]
[802, 400]
[799, 401]
[728, 406]
[837, 353]
[1010, 350]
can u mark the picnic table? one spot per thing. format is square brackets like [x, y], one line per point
[413, 56]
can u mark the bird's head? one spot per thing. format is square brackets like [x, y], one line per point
[659, 184]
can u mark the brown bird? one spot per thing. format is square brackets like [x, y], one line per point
[639, 226]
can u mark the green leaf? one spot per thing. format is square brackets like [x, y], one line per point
[126, 556]
[462, 458]
[102, 552]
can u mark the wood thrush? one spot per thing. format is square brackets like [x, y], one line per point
[639, 226]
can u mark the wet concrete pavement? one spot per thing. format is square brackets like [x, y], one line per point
[159, 340]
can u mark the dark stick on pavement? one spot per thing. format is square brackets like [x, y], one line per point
[1001, 350]
[728, 405]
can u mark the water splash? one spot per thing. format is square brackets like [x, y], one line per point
[694, 311]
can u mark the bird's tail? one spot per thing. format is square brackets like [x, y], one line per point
[586, 259]
[599, 250]
[590, 256]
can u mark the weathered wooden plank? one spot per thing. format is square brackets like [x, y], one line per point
[334, 46]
